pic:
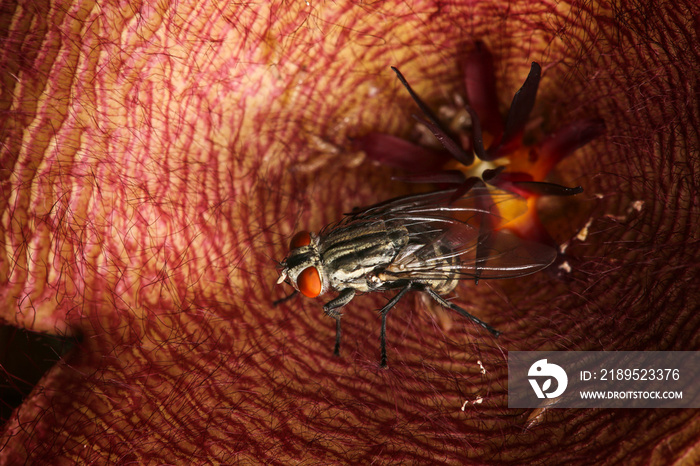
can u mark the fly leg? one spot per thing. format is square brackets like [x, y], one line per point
[331, 310]
[285, 299]
[461, 311]
[384, 311]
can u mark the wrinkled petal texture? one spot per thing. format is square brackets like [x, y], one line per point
[156, 158]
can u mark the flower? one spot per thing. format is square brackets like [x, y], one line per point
[146, 187]
[496, 151]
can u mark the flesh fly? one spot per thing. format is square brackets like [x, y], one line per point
[424, 242]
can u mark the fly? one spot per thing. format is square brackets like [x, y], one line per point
[423, 242]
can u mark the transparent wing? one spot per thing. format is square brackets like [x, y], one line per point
[459, 236]
[479, 199]
[498, 254]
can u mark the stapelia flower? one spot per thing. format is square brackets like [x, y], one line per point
[496, 151]
[149, 177]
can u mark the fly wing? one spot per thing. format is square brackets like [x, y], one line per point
[460, 237]
[494, 254]
[437, 201]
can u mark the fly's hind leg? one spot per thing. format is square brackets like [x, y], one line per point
[461, 311]
[331, 310]
[384, 311]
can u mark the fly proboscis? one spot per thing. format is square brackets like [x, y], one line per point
[424, 242]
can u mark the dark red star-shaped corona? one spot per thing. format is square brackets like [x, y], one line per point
[495, 151]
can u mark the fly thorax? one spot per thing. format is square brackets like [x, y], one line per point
[352, 256]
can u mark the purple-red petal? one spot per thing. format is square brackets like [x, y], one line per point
[399, 153]
[477, 134]
[567, 139]
[519, 113]
[449, 177]
[447, 141]
[542, 188]
[416, 98]
[480, 87]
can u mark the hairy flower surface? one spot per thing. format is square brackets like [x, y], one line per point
[156, 157]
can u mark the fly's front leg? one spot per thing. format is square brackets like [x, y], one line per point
[384, 311]
[461, 311]
[331, 310]
[286, 298]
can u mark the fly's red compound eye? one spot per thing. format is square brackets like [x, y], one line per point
[303, 238]
[309, 282]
